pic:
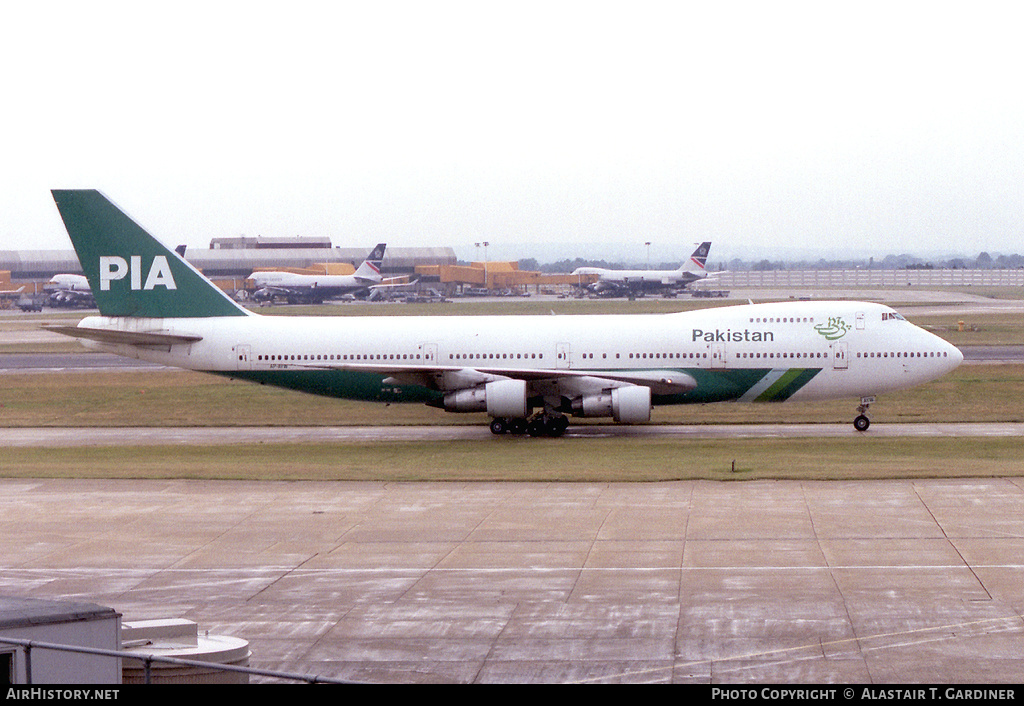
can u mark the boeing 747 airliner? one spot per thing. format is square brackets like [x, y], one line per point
[528, 373]
[316, 289]
[637, 282]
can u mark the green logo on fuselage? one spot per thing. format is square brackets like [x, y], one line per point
[835, 328]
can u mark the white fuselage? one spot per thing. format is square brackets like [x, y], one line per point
[70, 283]
[291, 279]
[638, 277]
[853, 349]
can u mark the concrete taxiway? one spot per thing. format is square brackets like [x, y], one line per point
[753, 582]
[147, 436]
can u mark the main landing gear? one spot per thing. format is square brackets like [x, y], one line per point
[541, 425]
[861, 421]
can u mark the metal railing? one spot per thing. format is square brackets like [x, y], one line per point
[866, 278]
[147, 661]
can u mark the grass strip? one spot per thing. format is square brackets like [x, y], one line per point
[972, 393]
[514, 459]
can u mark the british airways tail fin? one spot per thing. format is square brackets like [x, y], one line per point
[370, 268]
[699, 259]
[130, 272]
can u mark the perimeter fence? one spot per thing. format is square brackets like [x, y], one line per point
[867, 278]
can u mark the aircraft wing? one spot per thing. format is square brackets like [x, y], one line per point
[132, 338]
[72, 294]
[394, 282]
[569, 382]
[276, 289]
[609, 285]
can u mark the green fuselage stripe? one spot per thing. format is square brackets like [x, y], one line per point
[790, 381]
[713, 385]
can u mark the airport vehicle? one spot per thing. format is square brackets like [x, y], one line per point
[528, 373]
[316, 289]
[640, 282]
[30, 304]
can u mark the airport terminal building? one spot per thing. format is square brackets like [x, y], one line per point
[236, 258]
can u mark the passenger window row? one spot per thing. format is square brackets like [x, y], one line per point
[903, 354]
[495, 356]
[817, 354]
[322, 357]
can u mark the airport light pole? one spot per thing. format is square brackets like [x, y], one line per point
[485, 244]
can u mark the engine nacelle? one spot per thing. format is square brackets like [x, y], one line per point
[629, 405]
[507, 398]
[473, 399]
[501, 398]
[599, 405]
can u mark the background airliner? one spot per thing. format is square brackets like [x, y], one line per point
[69, 290]
[315, 289]
[529, 373]
[639, 282]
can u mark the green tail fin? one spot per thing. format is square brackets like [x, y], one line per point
[131, 273]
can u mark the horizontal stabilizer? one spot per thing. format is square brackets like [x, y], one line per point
[131, 338]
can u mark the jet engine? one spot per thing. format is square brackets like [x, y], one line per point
[629, 405]
[501, 398]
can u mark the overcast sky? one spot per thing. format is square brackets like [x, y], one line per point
[865, 127]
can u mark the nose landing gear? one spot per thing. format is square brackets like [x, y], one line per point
[861, 421]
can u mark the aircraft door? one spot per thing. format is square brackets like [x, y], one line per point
[718, 355]
[243, 356]
[429, 352]
[562, 360]
[840, 355]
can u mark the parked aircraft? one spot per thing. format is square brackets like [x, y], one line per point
[11, 295]
[529, 373]
[640, 282]
[315, 289]
[69, 290]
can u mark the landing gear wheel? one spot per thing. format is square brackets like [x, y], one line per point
[499, 426]
[861, 422]
[548, 426]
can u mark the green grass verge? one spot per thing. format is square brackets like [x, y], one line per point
[515, 459]
[972, 393]
[177, 398]
[986, 393]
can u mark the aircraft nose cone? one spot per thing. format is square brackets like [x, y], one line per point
[955, 356]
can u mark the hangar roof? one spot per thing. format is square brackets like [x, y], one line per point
[29, 265]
